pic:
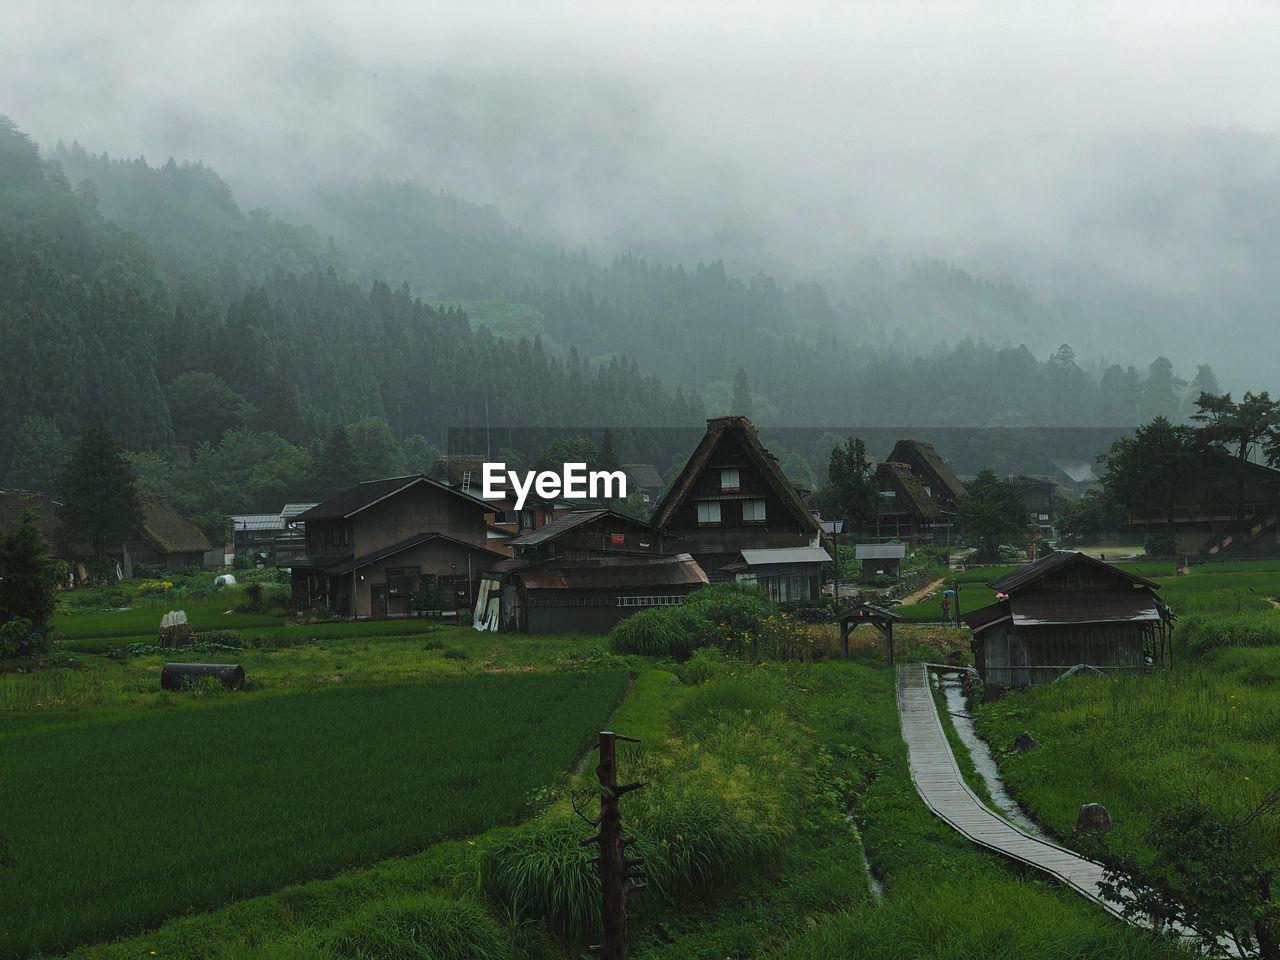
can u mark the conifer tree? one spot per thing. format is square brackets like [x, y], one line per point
[29, 577]
[100, 504]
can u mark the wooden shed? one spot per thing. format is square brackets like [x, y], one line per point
[1066, 610]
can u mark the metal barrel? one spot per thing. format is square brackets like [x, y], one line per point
[177, 676]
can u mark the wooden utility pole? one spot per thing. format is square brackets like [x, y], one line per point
[616, 871]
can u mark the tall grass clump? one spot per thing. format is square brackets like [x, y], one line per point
[673, 632]
[542, 872]
[419, 927]
[1198, 633]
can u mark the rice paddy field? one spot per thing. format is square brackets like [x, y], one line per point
[117, 824]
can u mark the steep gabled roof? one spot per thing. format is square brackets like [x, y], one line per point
[167, 529]
[452, 468]
[741, 429]
[643, 474]
[1058, 560]
[364, 495]
[13, 502]
[933, 460]
[908, 492]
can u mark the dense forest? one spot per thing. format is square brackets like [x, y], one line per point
[208, 336]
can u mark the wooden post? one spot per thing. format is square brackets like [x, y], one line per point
[888, 641]
[844, 639]
[616, 871]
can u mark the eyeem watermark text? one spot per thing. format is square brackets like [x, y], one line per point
[574, 483]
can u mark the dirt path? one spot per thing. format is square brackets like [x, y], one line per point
[924, 593]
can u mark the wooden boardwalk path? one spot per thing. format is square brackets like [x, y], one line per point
[938, 780]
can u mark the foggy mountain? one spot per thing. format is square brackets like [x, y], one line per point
[1112, 169]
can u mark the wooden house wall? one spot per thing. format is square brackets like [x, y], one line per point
[1018, 656]
[588, 611]
[420, 509]
[446, 562]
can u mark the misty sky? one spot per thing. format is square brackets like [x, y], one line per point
[804, 133]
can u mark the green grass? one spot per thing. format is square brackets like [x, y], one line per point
[125, 823]
[204, 612]
[1138, 744]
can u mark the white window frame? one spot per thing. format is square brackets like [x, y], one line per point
[756, 509]
[709, 512]
[730, 479]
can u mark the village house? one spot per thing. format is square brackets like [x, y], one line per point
[369, 549]
[465, 472]
[271, 536]
[741, 518]
[1068, 609]
[932, 471]
[1043, 499]
[585, 572]
[643, 479]
[905, 510]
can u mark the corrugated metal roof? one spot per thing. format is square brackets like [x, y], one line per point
[1041, 609]
[880, 551]
[291, 510]
[780, 555]
[258, 521]
[1056, 561]
[1078, 471]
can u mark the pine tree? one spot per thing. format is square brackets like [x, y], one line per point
[29, 577]
[100, 504]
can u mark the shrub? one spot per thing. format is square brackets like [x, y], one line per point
[735, 606]
[673, 632]
[20, 638]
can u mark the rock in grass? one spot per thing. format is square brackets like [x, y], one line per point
[1093, 818]
[1025, 742]
[991, 692]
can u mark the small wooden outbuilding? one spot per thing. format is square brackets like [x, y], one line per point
[1065, 610]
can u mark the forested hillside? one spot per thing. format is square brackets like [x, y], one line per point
[147, 295]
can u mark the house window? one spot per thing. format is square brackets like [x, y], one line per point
[401, 581]
[1044, 516]
[729, 480]
[753, 511]
[709, 511]
[527, 519]
[888, 493]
